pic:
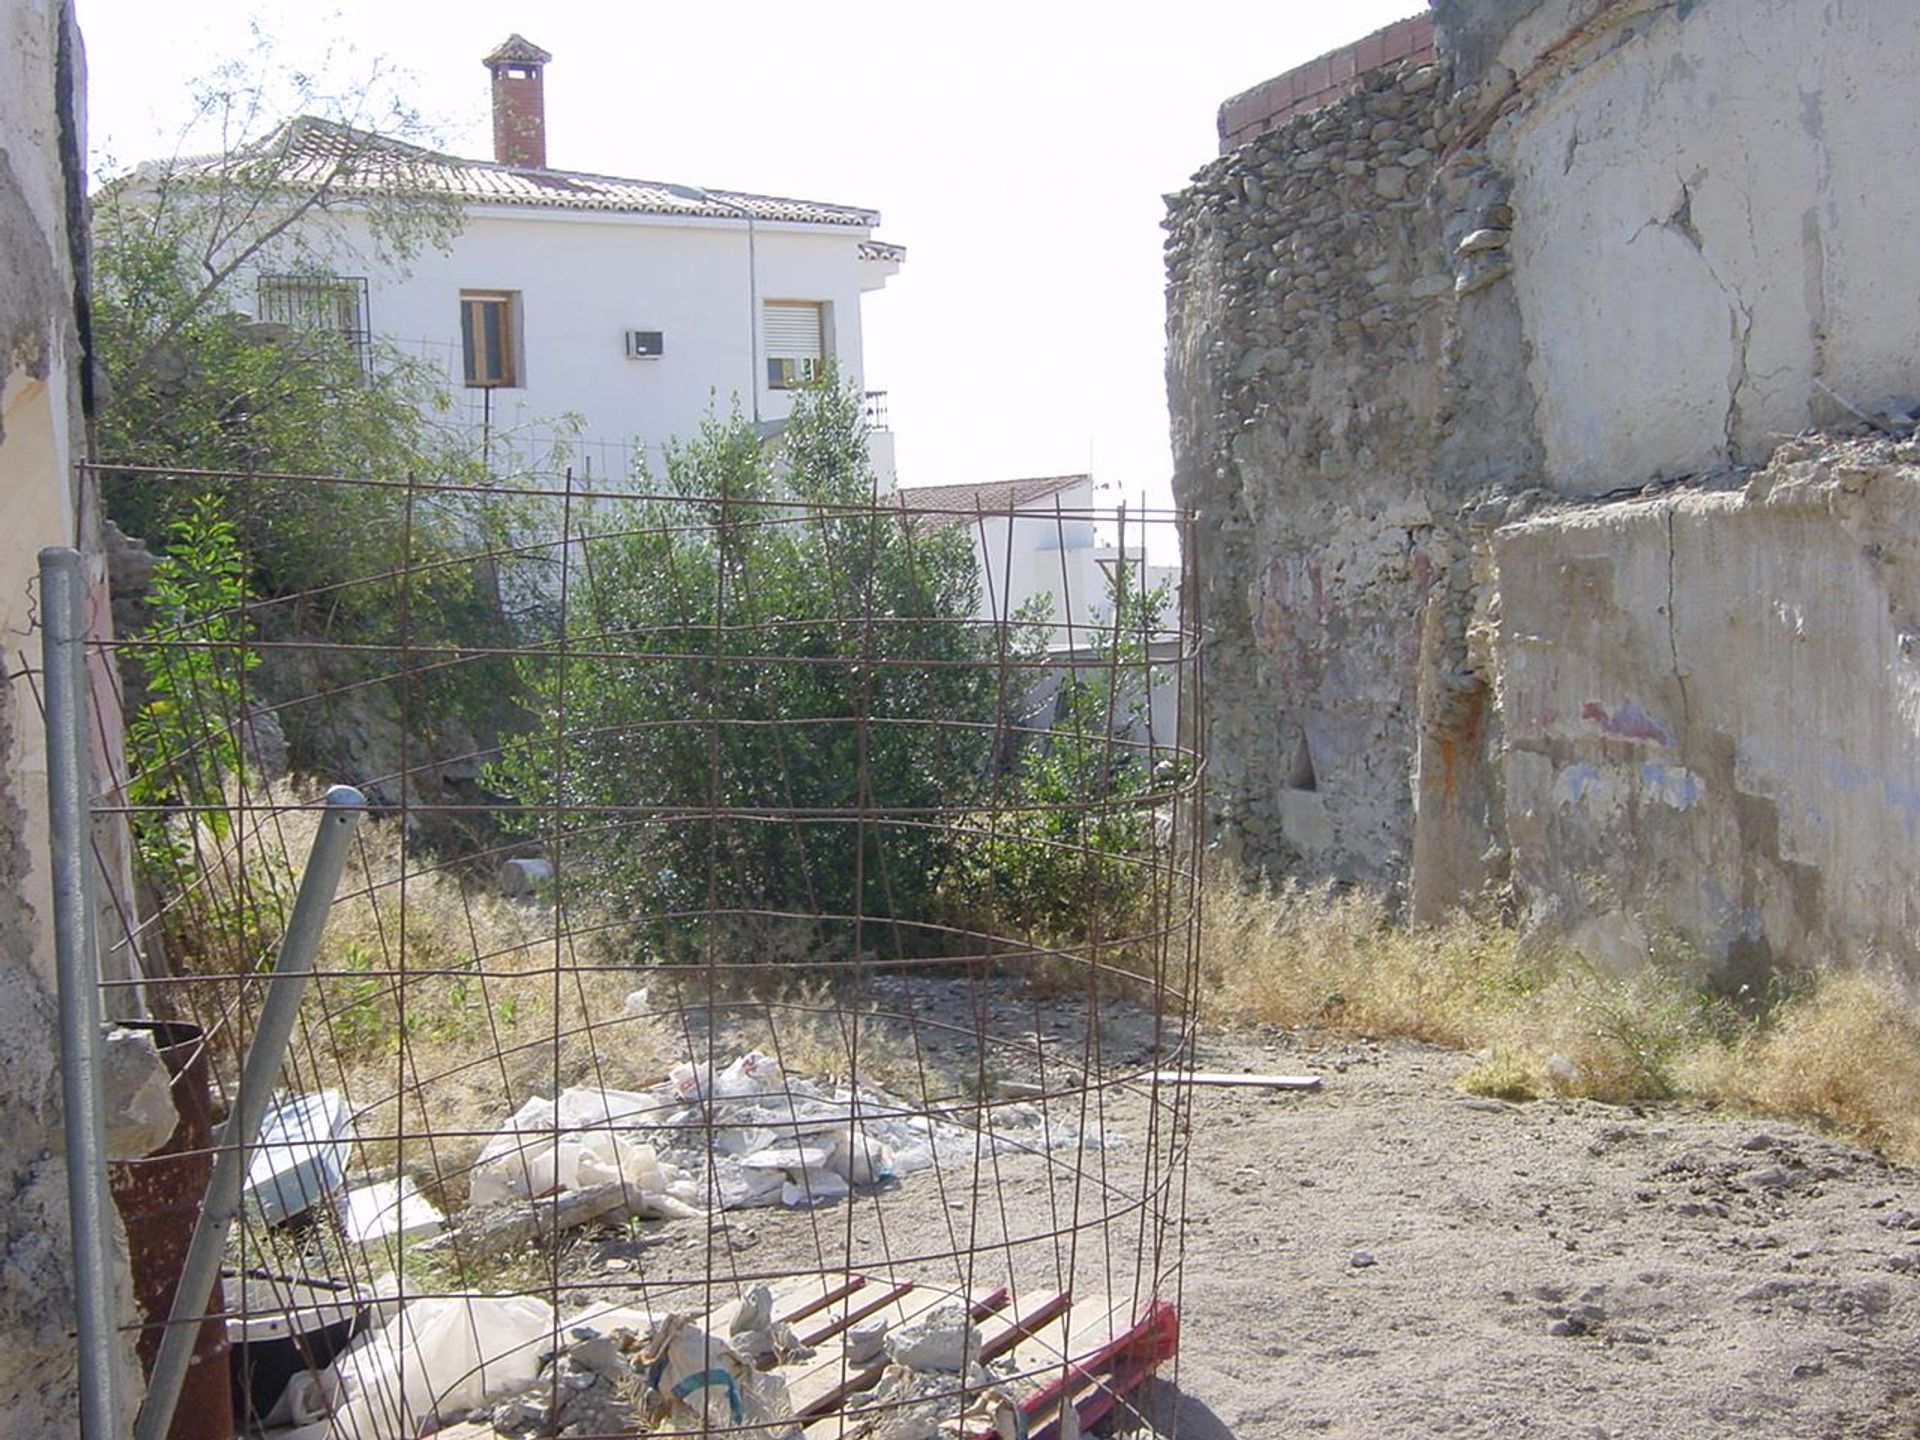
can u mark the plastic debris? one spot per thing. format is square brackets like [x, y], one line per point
[301, 1157]
[746, 1136]
[439, 1358]
[544, 1147]
[695, 1379]
[813, 1187]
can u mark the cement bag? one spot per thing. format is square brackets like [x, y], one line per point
[697, 1380]
[439, 1357]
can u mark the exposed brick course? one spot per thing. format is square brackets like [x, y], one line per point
[1322, 80]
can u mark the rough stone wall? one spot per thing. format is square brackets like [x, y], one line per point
[1601, 243]
[41, 408]
[1708, 700]
[1310, 290]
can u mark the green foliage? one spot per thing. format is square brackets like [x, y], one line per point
[1063, 852]
[762, 640]
[195, 383]
[184, 741]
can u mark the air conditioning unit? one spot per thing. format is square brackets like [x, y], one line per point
[645, 344]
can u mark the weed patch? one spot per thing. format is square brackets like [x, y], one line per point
[1841, 1051]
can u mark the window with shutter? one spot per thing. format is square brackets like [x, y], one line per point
[489, 338]
[796, 339]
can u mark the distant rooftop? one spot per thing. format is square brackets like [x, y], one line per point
[948, 505]
[361, 162]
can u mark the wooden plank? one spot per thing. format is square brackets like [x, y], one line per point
[1055, 1362]
[796, 1299]
[1021, 1321]
[820, 1386]
[1231, 1080]
[842, 1318]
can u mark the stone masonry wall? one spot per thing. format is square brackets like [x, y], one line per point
[1306, 286]
[1420, 341]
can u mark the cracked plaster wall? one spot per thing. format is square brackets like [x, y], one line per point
[41, 435]
[1717, 205]
[1711, 712]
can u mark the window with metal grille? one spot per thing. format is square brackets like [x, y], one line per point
[796, 339]
[320, 305]
[490, 338]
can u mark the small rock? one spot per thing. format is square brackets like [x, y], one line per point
[1361, 1259]
[1479, 242]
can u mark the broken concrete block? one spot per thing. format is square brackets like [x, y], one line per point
[525, 879]
[944, 1339]
[391, 1210]
[139, 1102]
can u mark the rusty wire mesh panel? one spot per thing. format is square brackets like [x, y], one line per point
[752, 895]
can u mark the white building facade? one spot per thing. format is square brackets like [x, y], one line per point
[613, 314]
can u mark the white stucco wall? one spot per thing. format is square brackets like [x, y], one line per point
[584, 280]
[1716, 209]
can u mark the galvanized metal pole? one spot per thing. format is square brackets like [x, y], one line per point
[63, 602]
[344, 807]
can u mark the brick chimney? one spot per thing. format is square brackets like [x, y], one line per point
[519, 103]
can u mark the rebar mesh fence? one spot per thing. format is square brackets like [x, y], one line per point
[746, 901]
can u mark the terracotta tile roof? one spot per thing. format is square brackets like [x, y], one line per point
[360, 162]
[882, 250]
[516, 49]
[945, 506]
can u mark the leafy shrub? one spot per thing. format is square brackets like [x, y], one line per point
[764, 661]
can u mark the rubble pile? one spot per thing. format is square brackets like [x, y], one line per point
[706, 1139]
[749, 1135]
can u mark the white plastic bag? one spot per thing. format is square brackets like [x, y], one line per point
[438, 1357]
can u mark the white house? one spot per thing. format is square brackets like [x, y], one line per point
[1037, 540]
[630, 309]
[1039, 550]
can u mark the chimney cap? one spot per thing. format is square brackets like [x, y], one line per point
[516, 49]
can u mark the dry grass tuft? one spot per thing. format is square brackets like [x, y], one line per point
[1842, 1052]
[1845, 1052]
[1337, 962]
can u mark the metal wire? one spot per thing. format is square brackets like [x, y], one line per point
[1004, 969]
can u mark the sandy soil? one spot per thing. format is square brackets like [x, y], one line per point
[1388, 1257]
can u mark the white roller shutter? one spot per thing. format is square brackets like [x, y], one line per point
[794, 330]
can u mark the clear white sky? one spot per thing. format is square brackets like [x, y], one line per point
[1019, 151]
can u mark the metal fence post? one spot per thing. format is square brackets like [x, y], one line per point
[63, 601]
[344, 807]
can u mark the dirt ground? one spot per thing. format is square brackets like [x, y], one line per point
[1390, 1257]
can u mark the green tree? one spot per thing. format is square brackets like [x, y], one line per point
[185, 250]
[790, 672]
[1066, 845]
